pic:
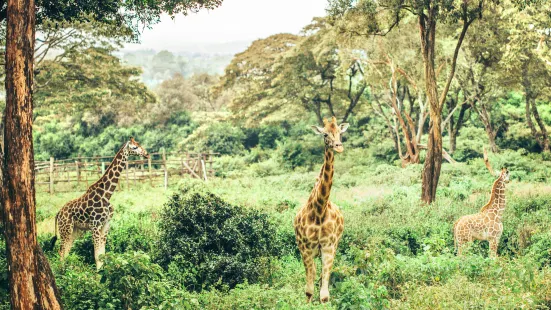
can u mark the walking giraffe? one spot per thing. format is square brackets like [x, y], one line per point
[92, 211]
[319, 223]
[485, 225]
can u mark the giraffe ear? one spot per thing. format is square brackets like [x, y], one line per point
[344, 127]
[318, 130]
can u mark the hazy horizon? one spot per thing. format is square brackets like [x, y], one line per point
[229, 28]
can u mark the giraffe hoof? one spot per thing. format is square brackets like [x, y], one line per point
[324, 299]
[308, 297]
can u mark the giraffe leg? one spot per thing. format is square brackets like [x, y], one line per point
[462, 243]
[99, 246]
[493, 247]
[327, 258]
[66, 234]
[310, 267]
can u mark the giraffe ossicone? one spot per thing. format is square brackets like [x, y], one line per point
[92, 211]
[487, 224]
[319, 223]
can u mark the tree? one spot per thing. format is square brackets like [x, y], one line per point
[527, 61]
[454, 101]
[32, 285]
[381, 17]
[283, 75]
[250, 75]
[479, 71]
[321, 75]
[93, 82]
[179, 94]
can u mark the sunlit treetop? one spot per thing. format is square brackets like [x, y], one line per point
[135, 14]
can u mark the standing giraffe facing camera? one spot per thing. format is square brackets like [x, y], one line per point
[319, 223]
[92, 211]
[485, 225]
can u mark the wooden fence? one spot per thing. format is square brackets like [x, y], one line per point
[80, 171]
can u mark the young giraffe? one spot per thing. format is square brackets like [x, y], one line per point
[485, 225]
[92, 211]
[319, 223]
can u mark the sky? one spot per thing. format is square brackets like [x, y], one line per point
[235, 20]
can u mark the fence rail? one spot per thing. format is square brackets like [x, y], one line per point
[87, 170]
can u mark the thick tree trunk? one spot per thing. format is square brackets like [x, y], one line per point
[32, 284]
[491, 139]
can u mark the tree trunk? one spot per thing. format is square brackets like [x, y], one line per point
[32, 285]
[544, 136]
[433, 161]
[491, 139]
[455, 130]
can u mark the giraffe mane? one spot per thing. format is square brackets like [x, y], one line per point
[492, 196]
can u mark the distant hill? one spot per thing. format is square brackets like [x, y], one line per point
[187, 59]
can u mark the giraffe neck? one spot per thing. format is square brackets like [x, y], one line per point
[110, 179]
[497, 202]
[320, 194]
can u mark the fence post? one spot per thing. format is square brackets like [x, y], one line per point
[51, 175]
[204, 170]
[86, 172]
[164, 166]
[150, 176]
[102, 168]
[77, 164]
[134, 175]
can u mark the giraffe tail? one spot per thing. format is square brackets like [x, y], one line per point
[54, 239]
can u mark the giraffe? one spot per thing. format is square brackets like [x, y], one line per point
[485, 225]
[319, 223]
[92, 211]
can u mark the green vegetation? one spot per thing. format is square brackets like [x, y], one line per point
[229, 243]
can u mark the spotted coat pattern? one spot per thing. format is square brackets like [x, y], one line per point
[487, 224]
[92, 211]
[319, 223]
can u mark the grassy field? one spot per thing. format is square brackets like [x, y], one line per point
[395, 253]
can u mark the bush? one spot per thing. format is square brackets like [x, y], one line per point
[353, 294]
[82, 290]
[470, 144]
[226, 244]
[295, 154]
[137, 283]
[224, 138]
[269, 135]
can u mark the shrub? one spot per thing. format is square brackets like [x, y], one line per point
[353, 294]
[82, 290]
[269, 135]
[470, 144]
[137, 283]
[224, 138]
[226, 244]
[294, 154]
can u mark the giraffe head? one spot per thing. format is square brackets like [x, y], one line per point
[331, 133]
[134, 148]
[504, 175]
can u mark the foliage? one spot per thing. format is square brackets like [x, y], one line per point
[221, 243]
[181, 94]
[220, 137]
[61, 140]
[94, 83]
